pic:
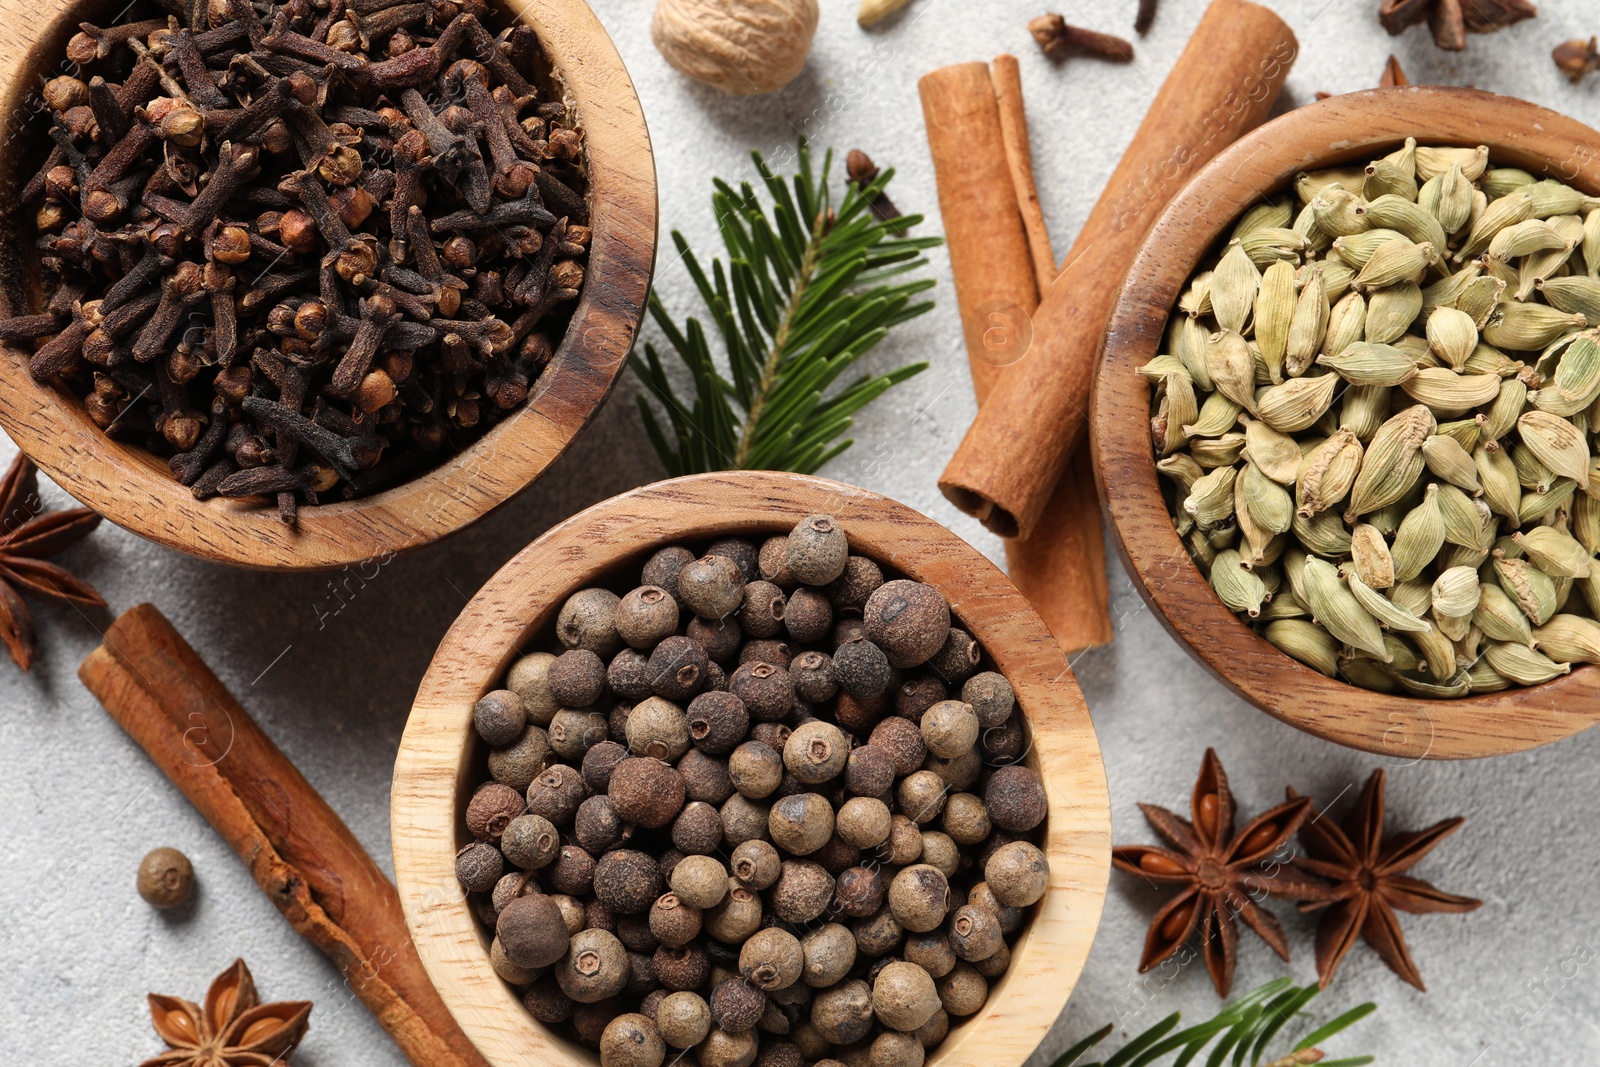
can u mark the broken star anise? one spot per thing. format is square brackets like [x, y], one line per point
[1369, 883]
[234, 1029]
[1218, 874]
[1451, 20]
[28, 534]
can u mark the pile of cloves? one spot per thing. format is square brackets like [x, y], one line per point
[306, 248]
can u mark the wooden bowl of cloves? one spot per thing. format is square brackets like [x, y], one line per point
[295, 285]
[1386, 584]
[442, 756]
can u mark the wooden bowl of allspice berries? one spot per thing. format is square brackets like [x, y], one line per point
[750, 764]
[293, 285]
[1344, 426]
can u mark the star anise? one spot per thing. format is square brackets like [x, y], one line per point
[1369, 882]
[27, 536]
[234, 1029]
[1218, 874]
[1451, 20]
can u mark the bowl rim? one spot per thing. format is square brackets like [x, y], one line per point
[1327, 133]
[133, 488]
[434, 767]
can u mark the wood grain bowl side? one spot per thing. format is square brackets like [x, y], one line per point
[1329, 133]
[134, 489]
[438, 760]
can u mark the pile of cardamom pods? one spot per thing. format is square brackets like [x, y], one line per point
[1377, 411]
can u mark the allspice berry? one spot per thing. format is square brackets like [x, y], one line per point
[166, 878]
[938, 850]
[919, 896]
[573, 732]
[571, 873]
[877, 935]
[921, 795]
[683, 1019]
[931, 951]
[678, 668]
[975, 933]
[546, 1002]
[917, 694]
[862, 669]
[588, 620]
[895, 1049]
[646, 791]
[594, 967]
[662, 568]
[811, 673]
[700, 881]
[599, 762]
[957, 658]
[990, 696]
[817, 550]
[682, 968]
[631, 1040]
[597, 826]
[778, 1053]
[1015, 798]
[771, 959]
[532, 933]
[556, 794]
[756, 864]
[519, 763]
[698, 829]
[673, 922]
[858, 892]
[903, 996]
[647, 615]
[816, 752]
[843, 1013]
[767, 650]
[905, 842]
[755, 769]
[864, 822]
[1017, 874]
[935, 1030]
[626, 881]
[802, 892]
[721, 638]
[657, 728]
[903, 741]
[527, 679]
[960, 772]
[848, 593]
[577, 678]
[762, 613]
[718, 721]
[744, 554]
[711, 587]
[499, 717]
[807, 616]
[801, 824]
[743, 820]
[1004, 744]
[736, 1005]
[724, 1049]
[949, 729]
[530, 842]
[765, 688]
[736, 917]
[870, 770]
[828, 954]
[1010, 918]
[507, 970]
[966, 819]
[628, 675]
[589, 1020]
[705, 778]
[963, 990]
[908, 620]
[772, 562]
[571, 910]
[492, 808]
[996, 963]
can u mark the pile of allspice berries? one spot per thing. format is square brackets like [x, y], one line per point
[1376, 410]
[765, 806]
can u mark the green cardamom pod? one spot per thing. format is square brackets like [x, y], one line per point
[1498, 616]
[1523, 665]
[1337, 276]
[1182, 470]
[1217, 451]
[1358, 248]
[1529, 327]
[1498, 476]
[1217, 416]
[1579, 294]
[1551, 197]
[1419, 538]
[1468, 522]
[1544, 264]
[1458, 685]
[1452, 204]
[1575, 385]
[1391, 311]
[1450, 462]
[1507, 407]
[1508, 210]
[1309, 323]
[1532, 474]
[1524, 239]
[1386, 611]
[1365, 363]
[1271, 245]
[1415, 596]
[1175, 409]
[1570, 639]
[1267, 502]
[1306, 642]
[1269, 216]
[1327, 473]
[1536, 506]
[1397, 261]
[1337, 609]
[1339, 211]
[1558, 444]
[1283, 605]
[1389, 179]
[1455, 592]
[1274, 311]
[1369, 552]
[1323, 533]
[1447, 290]
[1482, 299]
[1482, 678]
[1557, 554]
[1238, 588]
[1274, 452]
[1188, 342]
[1447, 393]
[1233, 290]
[1158, 368]
[1364, 409]
[1196, 299]
[1498, 181]
[1434, 161]
[1347, 324]
[1297, 403]
[1452, 335]
[1586, 521]
[1528, 587]
[1591, 242]
[1438, 654]
[1464, 432]
[1210, 499]
[1486, 359]
[1408, 218]
[1232, 367]
[1393, 461]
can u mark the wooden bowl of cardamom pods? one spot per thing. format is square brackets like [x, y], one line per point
[578, 64]
[1392, 564]
[437, 768]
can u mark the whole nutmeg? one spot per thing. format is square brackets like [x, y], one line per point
[631, 1040]
[812, 676]
[931, 951]
[681, 968]
[908, 620]
[801, 824]
[864, 822]
[828, 954]
[843, 1013]
[919, 896]
[862, 669]
[963, 990]
[718, 721]
[684, 1019]
[921, 796]
[722, 1049]
[527, 678]
[815, 752]
[698, 828]
[594, 967]
[646, 791]
[966, 819]
[520, 762]
[705, 778]
[673, 922]
[492, 808]
[677, 668]
[556, 794]
[990, 696]
[771, 959]
[756, 864]
[577, 678]
[657, 727]
[711, 587]
[1015, 798]
[949, 729]
[755, 769]
[903, 742]
[661, 569]
[877, 935]
[802, 892]
[903, 996]
[700, 881]
[975, 933]
[626, 881]
[166, 878]
[1017, 874]
[647, 615]
[546, 1002]
[858, 892]
[588, 620]
[817, 550]
[499, 717]
[736, 917]
[532, 933]
[894, 1049]
[530, 842]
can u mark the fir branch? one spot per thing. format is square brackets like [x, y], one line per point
[1247, 1026]
[807, 290]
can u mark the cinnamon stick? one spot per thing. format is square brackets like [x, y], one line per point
[298, 850]
[1225, 83]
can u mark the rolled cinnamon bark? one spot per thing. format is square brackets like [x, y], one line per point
[298, 850]
[1225, 83]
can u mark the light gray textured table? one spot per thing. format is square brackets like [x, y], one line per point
[331, 677]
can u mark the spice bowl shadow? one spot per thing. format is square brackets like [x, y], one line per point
[134, 488]
[440, 758]
[1333, 132]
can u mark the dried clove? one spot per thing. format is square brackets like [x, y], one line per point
[1058, 40]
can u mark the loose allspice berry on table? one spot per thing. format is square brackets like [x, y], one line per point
[165, 878]
[748, 810]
